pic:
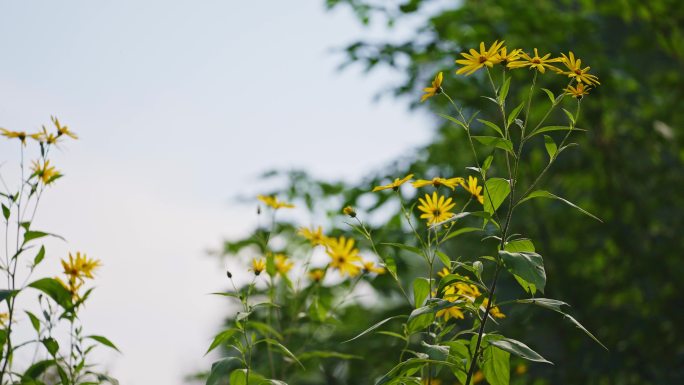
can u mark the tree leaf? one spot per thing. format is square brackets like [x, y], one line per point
[377, 325]
[496, 366]
[495, 192]
[518, 348]
[104, 341]
[526, 265]
[546, 194]
[421, 289]
[550, 145]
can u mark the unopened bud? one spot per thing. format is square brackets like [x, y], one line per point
[349, 211]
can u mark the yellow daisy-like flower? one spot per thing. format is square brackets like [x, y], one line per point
[258, 265]
[451, 312]
[21, 135]
[344, 256]
[444, 272]
[504, 57]
[4, 317]
[436, 88]
[575, 70]
[348, 210]
[436, 182]
[474, 189]
[79, 267]
[315, 236]
[370, 267]
[577, 92]
[494, 311]
[46, 173]
[45, 137]
[283, 264]
[62, 130]
[436, 208]
[317, 275]
[274, 203]
[394, 185]
[475, 60]
[539, 63]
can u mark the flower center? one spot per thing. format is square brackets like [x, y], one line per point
[536, 61]
[341, 260]
[436, 212]
[578, 72]
[482, 59]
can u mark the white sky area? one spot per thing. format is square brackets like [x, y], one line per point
[179, 106]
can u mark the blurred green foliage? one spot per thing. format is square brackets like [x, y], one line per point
[624, 277]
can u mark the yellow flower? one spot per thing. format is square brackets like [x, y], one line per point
[575, 70]
[521, 369]
[21, 135]
[436, 182]
[444, 272]
[258, 265]
[394, 185]
[536, 62]
[343, 255]
[436, 208]
[476, 60]
[317, 275]
[451, 312]
[369, 267]
[44, 172]
[494, 311]
[436, 88]
[62, 130]
[4, 317]
[315, 236]
[283, 264]
[505, 57]
[80, 266]
[349, 211]
[577, 92]
[478, 377]
[473, 188]
[72, 287]
[274, 203]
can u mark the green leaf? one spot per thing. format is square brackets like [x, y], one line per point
[423, 316]
[446, 261]
[503, 92]
[374, 327]
[582, 328]
[551, 304]
[436, 352]
[7, 294]
[265, 329]
[285, 351]
[495, 192]
[550, 94]
[391, 265]
[546, 194]
[270, 264]
[496, 366]
[327, 354]
[30, 235]
[5, 212]
[493, 141]
[460, 231]
[553, 128]
[518, 348]
[570, 115]
[104, 341]
[526, 265]
[220, 370]
[550, 145]
[238, 377]
[421, 290]
[513, 115]
[487, 163]
[36, 370]
[408, 368]
[54, 290]
[34, 320]
[39, 257]
[492, 125]
[454, 120]
[408, 248]
[51, 345]
[519, 245]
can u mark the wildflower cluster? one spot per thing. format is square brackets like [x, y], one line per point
[60, 299]
[447, 330]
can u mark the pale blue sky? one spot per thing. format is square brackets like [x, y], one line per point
[180, 105]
